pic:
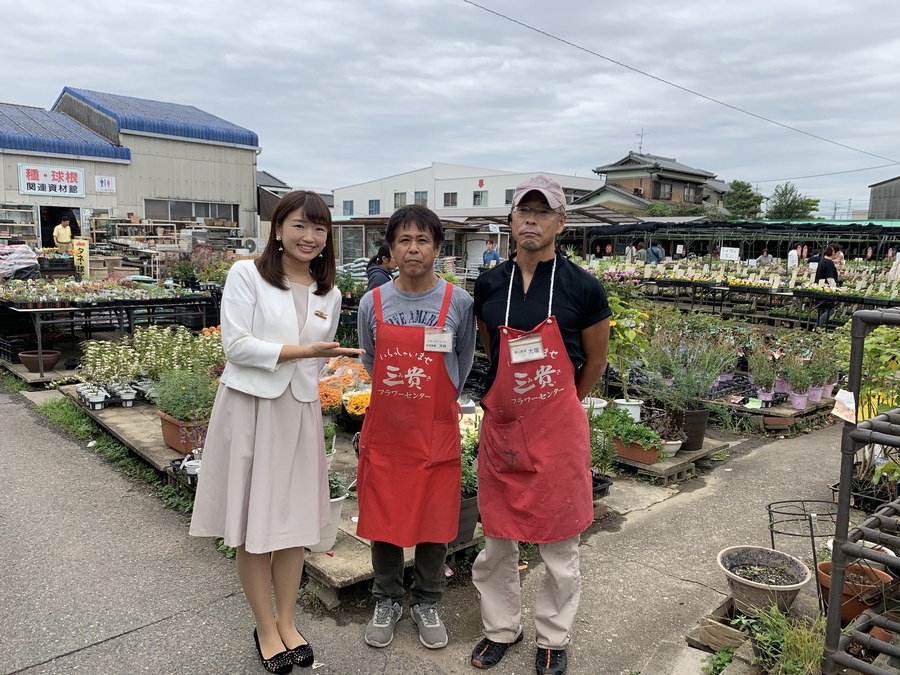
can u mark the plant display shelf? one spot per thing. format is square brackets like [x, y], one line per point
[782, 417]
[675, 469]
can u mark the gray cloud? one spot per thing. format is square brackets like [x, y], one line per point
[344, 91]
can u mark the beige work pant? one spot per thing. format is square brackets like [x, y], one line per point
[495, 574]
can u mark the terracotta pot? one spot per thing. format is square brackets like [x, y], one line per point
[31, 359]
[175, 433]
[851, 604]
[636, 452]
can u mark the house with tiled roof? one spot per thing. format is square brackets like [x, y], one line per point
[657, 178]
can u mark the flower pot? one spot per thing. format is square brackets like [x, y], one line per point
[329, 452]
[636, 452]
[31, 359]
[798, 400]
[598, 405]
[693, 423]
[782, 386]
[764, 395]
[600, 485]
[815, 394]
[875, 547]
[328, 534]
[669, 448]
[828, 389]
[631, 406]
[468, 518]
[176, 432]
[752, 596]
[852, 604]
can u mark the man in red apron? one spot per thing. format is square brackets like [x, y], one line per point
[545, 324]
[418, 333]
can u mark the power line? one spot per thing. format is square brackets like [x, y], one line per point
[819, 175]
[677, 86]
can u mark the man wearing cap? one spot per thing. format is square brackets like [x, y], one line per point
[545, 324]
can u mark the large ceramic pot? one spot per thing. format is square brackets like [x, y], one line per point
[753, 596]
[693, 423]
[468, 519]
[328, 534]
[859, 580]
[31, 359]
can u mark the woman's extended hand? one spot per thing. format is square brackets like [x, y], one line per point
[329, 349]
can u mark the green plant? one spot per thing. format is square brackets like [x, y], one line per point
[469, 453]
[890, 471]
[185, 395]
[667, 429]
[329, 430]
[796, 372]
[337, 485]
[106, 363]
[617, 423]
[627, 337]
[228, 551]
[603, 455]
[785, 645]
[762, 368]
[66, 414]
[718, 661]
[177, 497]
[13, 383]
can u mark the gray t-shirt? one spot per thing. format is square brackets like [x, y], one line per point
[423, 309]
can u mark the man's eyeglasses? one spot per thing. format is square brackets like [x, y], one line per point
[537, 213]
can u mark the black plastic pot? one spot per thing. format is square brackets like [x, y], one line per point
[693, 423]
[601, 485]
[468, 518]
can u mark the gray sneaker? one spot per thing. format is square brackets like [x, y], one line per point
[432, 632]
[380, 630]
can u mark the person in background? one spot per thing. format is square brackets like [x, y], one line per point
[418, 333]
[765, 258]
[640, 254]
[18, 261]
[380, 266]
[827, 272]
[62, 235]
[839, 255]
[630, 253]
[655, 254]
[264, 483]
[793, 257]
[490, 257]
[544, 322]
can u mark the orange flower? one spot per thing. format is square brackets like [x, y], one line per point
[358, 403]
[329, 398]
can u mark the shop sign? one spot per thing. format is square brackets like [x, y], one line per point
[54, 181]
[104, 183]
[82, 258]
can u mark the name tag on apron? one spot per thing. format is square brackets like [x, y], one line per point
[527, 348]
[438, 340]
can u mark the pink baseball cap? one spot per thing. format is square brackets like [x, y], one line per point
[548, 187]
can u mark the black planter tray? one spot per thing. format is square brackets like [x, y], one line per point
[863, 502]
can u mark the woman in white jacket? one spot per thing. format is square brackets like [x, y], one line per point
[263, 485]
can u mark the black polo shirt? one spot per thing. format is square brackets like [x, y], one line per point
[578, 303]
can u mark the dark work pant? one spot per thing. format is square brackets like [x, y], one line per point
[428, 572]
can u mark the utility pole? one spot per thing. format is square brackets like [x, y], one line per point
[834, 213]
[849, 209]
[641, 143]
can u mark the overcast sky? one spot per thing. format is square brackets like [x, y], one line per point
[342, 92]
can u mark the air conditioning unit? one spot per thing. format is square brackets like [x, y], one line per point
[638, 192]
[255, 245]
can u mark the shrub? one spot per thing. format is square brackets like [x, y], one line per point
[186, 395]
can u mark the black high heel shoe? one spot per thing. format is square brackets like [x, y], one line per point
[280, 664]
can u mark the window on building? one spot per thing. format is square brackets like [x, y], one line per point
[399, 199]
[479, 198]
[201, 210]
[691, 193]
[182, 210]
[374, 207]
[449, 199]
[662, 190]
[348, 207]
[156, 209]
[421, 198]
[507, 199]
[351, 243]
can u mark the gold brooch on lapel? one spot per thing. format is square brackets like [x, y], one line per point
[319, 313]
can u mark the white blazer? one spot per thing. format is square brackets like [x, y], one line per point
[257, 320]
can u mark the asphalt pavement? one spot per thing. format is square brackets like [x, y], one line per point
[97, 576]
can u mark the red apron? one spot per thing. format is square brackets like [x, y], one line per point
[409, 460]
[534, 480]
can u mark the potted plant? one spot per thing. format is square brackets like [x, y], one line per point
[672, 437]
[468, 508]
[329, 429]
[822, 372]
[631, 440]
[338, 492]
[760, 578]
[762, 369]
[796, 372]
[627, 341]
[863, 586]
[603, 456]
[185, 399]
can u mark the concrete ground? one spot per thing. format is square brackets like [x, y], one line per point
[98, 576]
